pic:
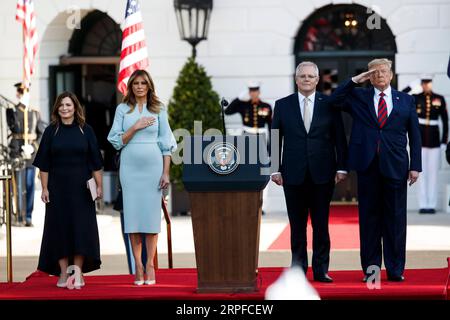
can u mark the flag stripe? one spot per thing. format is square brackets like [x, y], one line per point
[132, 29]
[133, 38]
[26, 16]
[135, 18]
[134, 47]
[130, 59]
[126, 72]
[134, 54]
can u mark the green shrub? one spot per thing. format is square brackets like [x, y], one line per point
[193, 99]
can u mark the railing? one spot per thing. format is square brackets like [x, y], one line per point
[169, 236]
[6, 208]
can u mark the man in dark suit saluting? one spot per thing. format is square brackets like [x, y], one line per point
[314, 149]
[383, 119]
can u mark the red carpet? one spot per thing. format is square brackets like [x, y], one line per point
[178, 284]
[343, 226]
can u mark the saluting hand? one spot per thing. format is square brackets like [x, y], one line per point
[45, 196]
[362, 77]
[144, 122]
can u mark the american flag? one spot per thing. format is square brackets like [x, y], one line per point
[134, 50]
[26, 16]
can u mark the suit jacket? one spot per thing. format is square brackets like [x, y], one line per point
[392, 138]
[447, 153]
[323, 150]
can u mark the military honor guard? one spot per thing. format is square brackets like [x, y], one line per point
[430, 107]
[26, 127]
[255, 113]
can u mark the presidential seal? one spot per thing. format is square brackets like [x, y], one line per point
[223, 158]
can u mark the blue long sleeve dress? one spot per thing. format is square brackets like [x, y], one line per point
[141, 166]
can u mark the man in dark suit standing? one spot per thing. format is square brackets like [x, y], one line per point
[383, 120]
[314, 147]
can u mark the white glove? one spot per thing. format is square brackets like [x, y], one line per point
[244, 96]
[28, 150]
[415, 86]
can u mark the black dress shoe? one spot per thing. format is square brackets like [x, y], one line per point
[422, 211]
[323, 278]
[396, 278]
[432, 211]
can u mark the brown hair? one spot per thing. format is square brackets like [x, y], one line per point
[79, 112]
[153, 102]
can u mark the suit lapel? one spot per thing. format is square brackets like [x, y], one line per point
[298, 114]
[316, 109]
[395, 105]
[370, 93]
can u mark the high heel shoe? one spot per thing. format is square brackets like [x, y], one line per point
[150, 276]
[79, 284]
[139, 282]
[62, 282]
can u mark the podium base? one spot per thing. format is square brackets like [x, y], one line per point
[229, 288]
[226, 237]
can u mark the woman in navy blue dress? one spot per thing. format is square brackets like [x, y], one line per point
[67, 157]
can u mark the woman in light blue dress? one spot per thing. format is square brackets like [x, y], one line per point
[141, 131]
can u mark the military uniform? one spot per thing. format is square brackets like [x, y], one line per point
[429, 108]
[24, 171]
[255, 116]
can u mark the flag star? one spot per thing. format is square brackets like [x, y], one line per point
[130, 10]
[133, 3]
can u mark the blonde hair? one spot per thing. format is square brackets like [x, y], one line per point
[377, 62]
[153, 102]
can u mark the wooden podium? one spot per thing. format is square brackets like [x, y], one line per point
[226, 212]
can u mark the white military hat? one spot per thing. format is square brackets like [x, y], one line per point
[426, 77]
[253, 85]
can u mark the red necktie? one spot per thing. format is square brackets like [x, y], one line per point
[382, 111]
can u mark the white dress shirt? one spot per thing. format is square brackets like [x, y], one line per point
[301, 100]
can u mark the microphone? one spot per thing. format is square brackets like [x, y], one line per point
[223, 104]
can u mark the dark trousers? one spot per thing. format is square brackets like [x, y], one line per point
[21, 193]
[382, 220]
[315, 199]
[30, 174]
